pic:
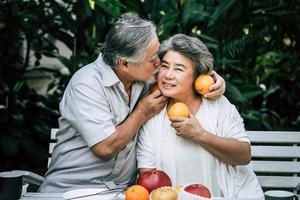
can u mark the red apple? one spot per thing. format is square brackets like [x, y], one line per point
[198, 189]
[152, 180]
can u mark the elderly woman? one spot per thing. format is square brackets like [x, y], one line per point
[211, 147]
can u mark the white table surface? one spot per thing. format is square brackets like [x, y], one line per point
[59, 196]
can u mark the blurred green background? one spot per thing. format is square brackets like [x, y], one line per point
[255, 45]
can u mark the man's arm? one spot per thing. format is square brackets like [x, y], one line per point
[146, 108]
[217, 89]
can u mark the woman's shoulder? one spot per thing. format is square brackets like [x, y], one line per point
[219, 107]
[222, 101]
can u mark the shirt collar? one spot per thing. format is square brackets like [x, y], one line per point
[109, 76]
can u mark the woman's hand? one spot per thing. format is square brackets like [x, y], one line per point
[217, 89]
[188, 127]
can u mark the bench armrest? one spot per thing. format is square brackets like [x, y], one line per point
[30, 177]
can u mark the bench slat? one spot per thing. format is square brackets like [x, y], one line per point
[275, 151]
[53, 133]
[51, 146]
[274, 136]
[275, 166]
[49, 160]
[279, 181]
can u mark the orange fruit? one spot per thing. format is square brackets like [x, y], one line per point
[203, 82]
[154, 87]
[178, 110]
[135, 192]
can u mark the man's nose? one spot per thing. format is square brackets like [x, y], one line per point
[157, 62]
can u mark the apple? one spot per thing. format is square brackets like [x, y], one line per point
[198, 189]
[154, 179]
[164, 193]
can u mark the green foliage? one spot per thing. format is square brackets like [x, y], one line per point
[254, 43]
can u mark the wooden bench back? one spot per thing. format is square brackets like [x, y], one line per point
[52, 143]
[275, 158]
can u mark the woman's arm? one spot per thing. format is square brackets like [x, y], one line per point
[228, 150]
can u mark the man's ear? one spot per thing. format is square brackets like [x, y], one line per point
[122, 63]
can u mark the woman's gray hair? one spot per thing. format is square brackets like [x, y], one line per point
[191, 47]
[128, 39]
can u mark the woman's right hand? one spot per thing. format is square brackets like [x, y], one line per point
[188, 127]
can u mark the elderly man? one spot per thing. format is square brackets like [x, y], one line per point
[103, 107]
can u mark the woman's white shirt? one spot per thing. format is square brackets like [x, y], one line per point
[186, 161]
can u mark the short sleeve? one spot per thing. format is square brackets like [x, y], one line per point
[88, 111]
[145, 152]
[230, 122]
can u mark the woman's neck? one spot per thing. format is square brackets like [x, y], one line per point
[193, 102]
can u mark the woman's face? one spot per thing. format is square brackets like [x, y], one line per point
[175, 77]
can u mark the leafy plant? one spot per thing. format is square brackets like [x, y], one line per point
[254, 43]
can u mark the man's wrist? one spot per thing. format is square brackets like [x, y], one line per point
[140, 115]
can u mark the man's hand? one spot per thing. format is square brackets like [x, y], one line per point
[151, 104]
[217, 89]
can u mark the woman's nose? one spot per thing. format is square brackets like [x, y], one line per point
[169, 73]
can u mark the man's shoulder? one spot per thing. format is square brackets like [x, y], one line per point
[88, 74]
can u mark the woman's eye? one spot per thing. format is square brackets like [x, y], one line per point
[179, 69]
[164, 66]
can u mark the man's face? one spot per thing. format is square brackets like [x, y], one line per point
[144, 70]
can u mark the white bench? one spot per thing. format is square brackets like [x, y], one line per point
[276, 159]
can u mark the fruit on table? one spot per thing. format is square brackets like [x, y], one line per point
[178, 188]
[135, 192]
[178, 110]
[203, 82]
[164, 193]
[198, 189]
[154, 87]
[154, 179]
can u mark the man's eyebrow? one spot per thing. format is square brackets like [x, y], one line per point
[154, 55]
